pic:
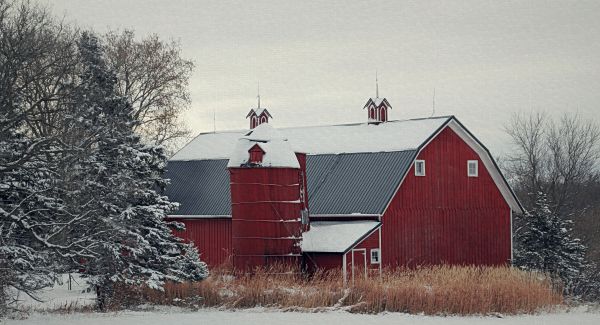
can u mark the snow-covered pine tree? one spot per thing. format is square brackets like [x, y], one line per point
[26, 204]
[545, 243]
[131, 240]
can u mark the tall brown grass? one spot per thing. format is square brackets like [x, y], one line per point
[429, 290]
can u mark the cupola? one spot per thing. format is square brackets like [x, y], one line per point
[258, 115]
[377, 108]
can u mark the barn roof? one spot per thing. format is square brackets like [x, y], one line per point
[336, 236]
[338, 182]
[329, 139]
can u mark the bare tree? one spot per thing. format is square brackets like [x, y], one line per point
[556, 157]
[154, 77]
[559, 159]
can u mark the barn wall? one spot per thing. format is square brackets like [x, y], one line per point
[211, 236]
[446, 216]
[323, 261]
[371, 242]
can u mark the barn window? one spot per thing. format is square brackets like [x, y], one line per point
[419, 167]
[256, 154]
[375, 256]
[472, 168]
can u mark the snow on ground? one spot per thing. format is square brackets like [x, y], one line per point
[60, 295]
[269, 317]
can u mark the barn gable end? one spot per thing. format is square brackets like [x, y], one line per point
[446, 216]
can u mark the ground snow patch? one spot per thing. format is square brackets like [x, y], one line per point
[270, 317]
[60, 295]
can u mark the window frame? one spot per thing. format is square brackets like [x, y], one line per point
[378, 251]
[476, 163]
[420, 161]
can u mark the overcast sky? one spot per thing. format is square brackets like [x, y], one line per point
[316, 61]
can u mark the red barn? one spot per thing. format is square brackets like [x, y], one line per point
[357, 197]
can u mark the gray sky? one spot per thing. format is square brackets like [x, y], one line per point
[316, 60]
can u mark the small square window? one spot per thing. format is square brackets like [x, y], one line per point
[472, 168]
[375, 256]
[419, 167]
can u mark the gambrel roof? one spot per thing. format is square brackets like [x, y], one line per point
[338, 182]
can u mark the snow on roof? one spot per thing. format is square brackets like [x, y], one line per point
[330, 139]
[278, 152]
[335, 236]
[377, 101]
[258, 112]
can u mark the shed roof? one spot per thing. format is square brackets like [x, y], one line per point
[336, 236]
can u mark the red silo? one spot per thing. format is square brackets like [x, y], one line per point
[267, 201]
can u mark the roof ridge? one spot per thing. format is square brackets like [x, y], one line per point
[326, 125]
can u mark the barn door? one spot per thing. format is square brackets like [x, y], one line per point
[359, 263]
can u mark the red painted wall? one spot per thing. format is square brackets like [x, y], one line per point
[212, 237]
[265, 213]
[446, 216]
[323, 262]
[371, 242]
[333, 261]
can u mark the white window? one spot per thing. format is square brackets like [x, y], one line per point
[375, 256]
[472, 168]
[419, 167]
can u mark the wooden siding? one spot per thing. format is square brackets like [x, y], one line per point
[323, 261]
[212, 237]
[446, 216]
[265, 214]
[369, 243]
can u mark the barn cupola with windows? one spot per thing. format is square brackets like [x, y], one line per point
[258, 115]
[377, 108]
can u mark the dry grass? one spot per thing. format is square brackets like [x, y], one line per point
[431, 290]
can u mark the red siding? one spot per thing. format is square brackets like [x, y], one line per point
[265, 211]
[212, 237]
[371, 242]
[323, 261]
[446, 216]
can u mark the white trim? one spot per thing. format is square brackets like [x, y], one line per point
[488, 163]
[483, 155]
[344, 268]
[511, 238]
[380, 255]
[375, 250]
[419, 161]
[476, 162]
[352, 265]
[353, 215]
[365, 237]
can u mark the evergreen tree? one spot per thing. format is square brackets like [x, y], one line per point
[130, 239]
[545, 243]
[26, 208]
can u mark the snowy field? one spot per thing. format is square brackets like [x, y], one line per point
[266, 317]
[60, 296]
